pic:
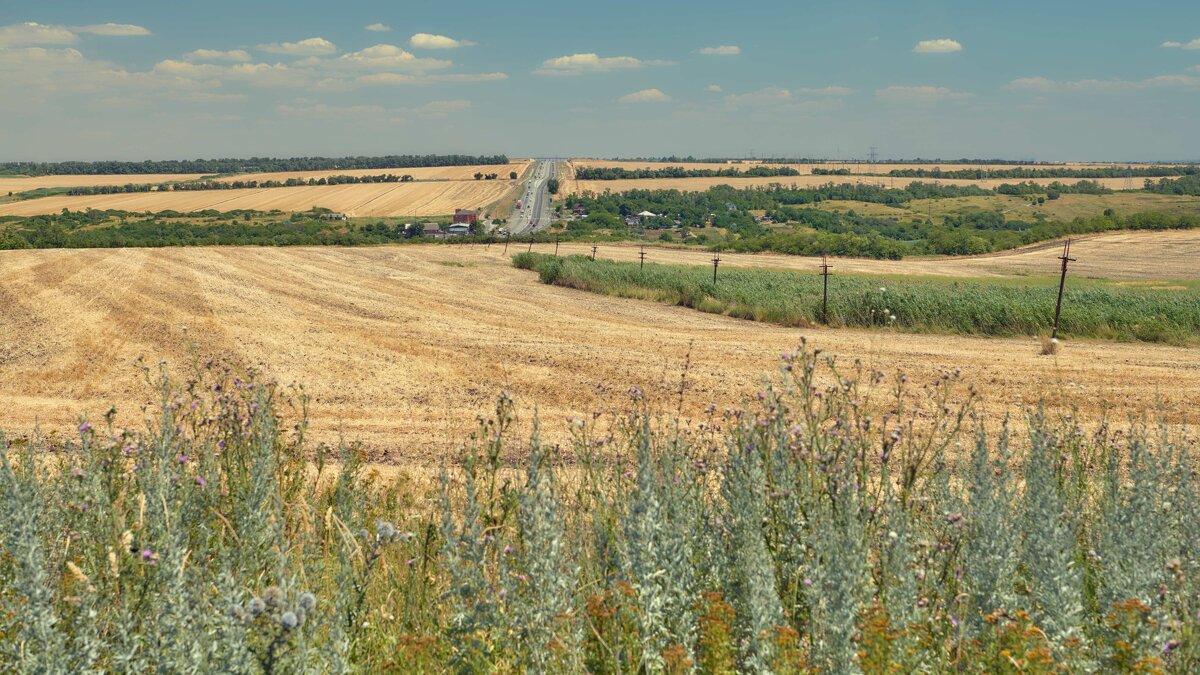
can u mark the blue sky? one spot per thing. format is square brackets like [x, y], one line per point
[1085, 80]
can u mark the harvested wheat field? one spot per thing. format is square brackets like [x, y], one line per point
[1128, 255]
[574, 186]
[431, 198]
[466, 173]
[403, 346]
[21, 184]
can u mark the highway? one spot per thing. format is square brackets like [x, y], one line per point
[535, 212]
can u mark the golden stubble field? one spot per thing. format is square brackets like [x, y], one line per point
[430, 198]
[402, 347]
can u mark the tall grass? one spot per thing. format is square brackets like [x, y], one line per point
[840, 521]
[918, 305]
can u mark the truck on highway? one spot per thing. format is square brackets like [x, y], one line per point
[518, 204]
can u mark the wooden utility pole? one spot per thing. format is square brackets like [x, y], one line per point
[530, 249]
[556, 238]
[507, 235]
[825, 292]
[642, 259]
[1062, 283]
[593, 253]
[716, 261]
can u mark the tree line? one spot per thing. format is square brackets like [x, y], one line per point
[235, 184]
[619, 173]
[251, 165]
[1023, 173]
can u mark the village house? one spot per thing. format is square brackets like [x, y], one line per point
[458, 230]
[465, 216]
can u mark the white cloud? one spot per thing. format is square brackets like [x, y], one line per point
[919, 94]
[938, 46]
[402, 78]
[775, 96]
[468, 77]
[578, 64]
[1191, 44]
[722, 50]
[429, 41]
[23, 34]
[239, 55]
[440, 109]
[1093, 85]
[314, 46]
[114, 30]
[645, 96]
[388, 57]
[825, 91]
[378, 28]
[325, 111]
[714, 88]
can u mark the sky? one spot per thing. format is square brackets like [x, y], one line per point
[1087, 80]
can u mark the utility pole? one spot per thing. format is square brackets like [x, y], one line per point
[593, 253]
[825, 284]
[716, 261]
[1062, 282]
[556, 238]
[642, 259]
[507, 235]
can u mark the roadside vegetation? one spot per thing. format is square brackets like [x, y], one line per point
[842, 521]
[925, 305]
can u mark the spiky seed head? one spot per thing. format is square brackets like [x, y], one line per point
[273, 596]
[289, 620]
[308, 601]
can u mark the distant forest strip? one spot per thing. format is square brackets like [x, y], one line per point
[188, 186]
[1091, 172]
[862, 301]
[814, 231]
[96, 229]
[826, 160]
[619, 173]
[251, 165]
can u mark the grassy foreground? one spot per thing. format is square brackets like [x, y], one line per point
[917, 305]
[815, 529]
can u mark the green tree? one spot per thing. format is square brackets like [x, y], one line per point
[552, 186]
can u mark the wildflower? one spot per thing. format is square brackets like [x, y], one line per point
[386, 530]
[182, 459]
[273, 596]
[256, 605]
[77, 472]
[308, 601]
[883, 289]
[508, 550]
[892, 317]
[808, 581]
[289, 620]
[200, 481]
[84, 428]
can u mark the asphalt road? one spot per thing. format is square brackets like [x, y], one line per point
[535, 212]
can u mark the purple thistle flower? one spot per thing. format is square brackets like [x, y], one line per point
[84, 428]
[200, 481]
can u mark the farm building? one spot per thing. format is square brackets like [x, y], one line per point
[465, 216]
[459, 230]
[333, 216]
[432, 230]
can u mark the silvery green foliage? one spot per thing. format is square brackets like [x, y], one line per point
[472, 599]
[659, 528]
[840, 581]
[1134, 527]
[1048, 547]
[544, 605]
[900, 591]
[33, 642]
[751, 583]
[991, 542]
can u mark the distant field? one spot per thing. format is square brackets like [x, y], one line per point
[1169, 255]
[11, 184]
[418, 173]
[851, 167]
[366, 199]
[1066, 207]
[698, 184]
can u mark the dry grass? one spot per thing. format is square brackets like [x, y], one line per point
[853, 167]
[368, 199]
[401, 350]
